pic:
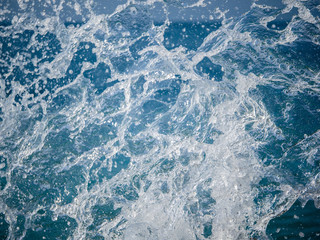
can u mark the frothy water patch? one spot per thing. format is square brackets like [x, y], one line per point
[159, 119]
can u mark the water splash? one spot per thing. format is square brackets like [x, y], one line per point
[156, 119]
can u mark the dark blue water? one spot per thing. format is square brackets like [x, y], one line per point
[159, 119]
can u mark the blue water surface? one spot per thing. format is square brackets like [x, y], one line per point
[159, 119]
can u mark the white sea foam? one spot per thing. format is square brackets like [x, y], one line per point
[184, 180]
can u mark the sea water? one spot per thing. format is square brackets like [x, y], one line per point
[159, 119]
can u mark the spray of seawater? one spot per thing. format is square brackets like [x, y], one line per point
[156, 119]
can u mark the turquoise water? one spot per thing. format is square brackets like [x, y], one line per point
[159, 119]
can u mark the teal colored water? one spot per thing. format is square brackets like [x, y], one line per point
[159, 119]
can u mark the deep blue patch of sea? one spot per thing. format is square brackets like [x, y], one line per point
[159, 119]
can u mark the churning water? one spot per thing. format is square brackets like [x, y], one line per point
[159, 119]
